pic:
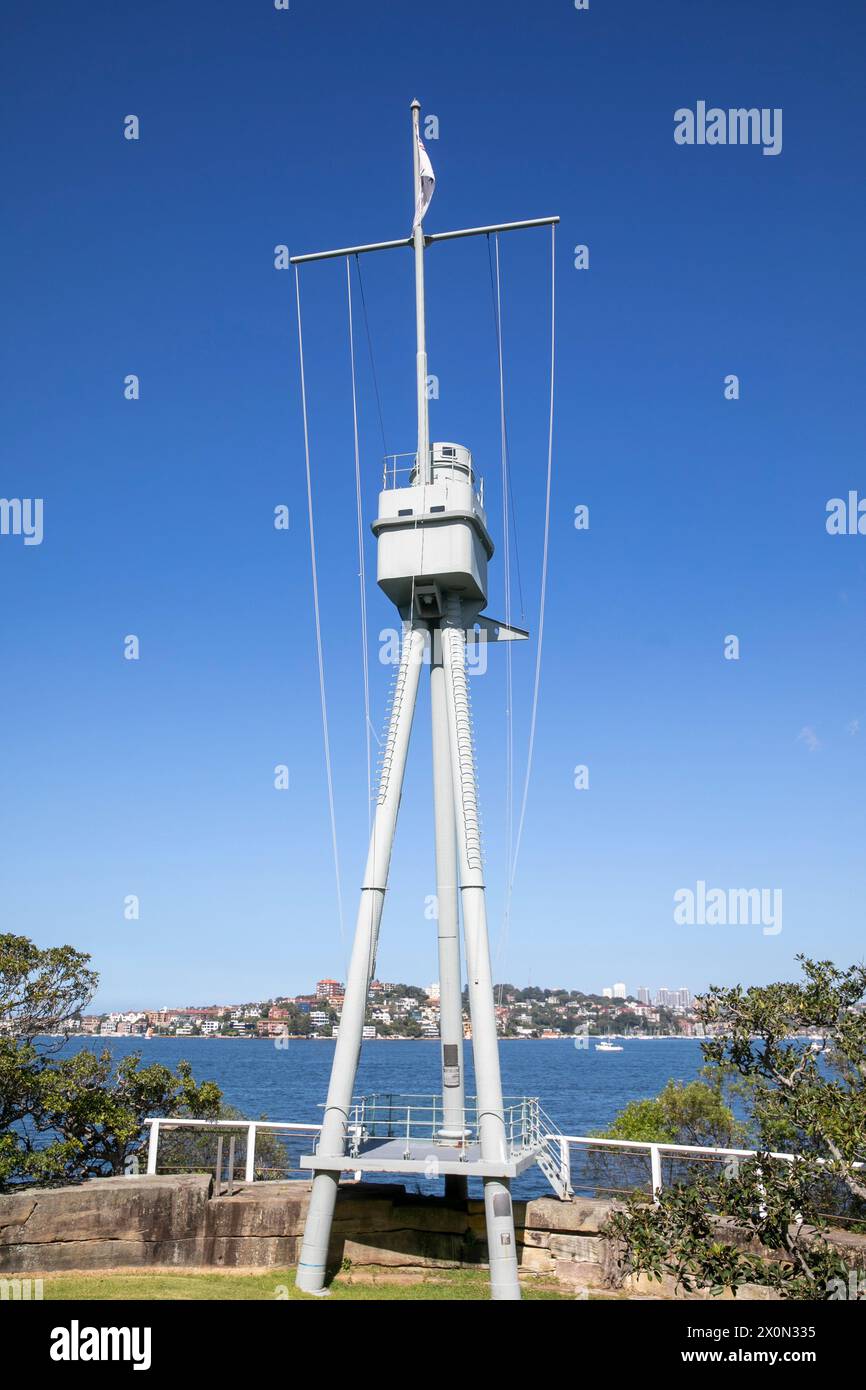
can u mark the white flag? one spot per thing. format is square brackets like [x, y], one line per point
[428, 183]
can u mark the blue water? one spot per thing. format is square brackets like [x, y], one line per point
[582, 1090]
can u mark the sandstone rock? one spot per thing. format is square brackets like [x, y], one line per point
[359, 1217]
[402, 1248]
[579, 1273]
[536, 1260]
[15, 1212]
[852, 1248]
[273, 1252]
[587, 1249]
[580, 1214]
[115, 1209]
[643, 1284]
[57, 1255]
[171, 1222]
[239, 1217]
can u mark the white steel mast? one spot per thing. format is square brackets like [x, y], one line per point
[433, 551]
[424, 469]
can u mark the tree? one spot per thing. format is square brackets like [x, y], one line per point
[684, 1113]
[691, 1112]
[811, 1098]
[41, 990]
[88, 1115]
[806, 1098]
[67, 1119]
[722, 1232]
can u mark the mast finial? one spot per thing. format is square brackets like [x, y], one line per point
[425, 473]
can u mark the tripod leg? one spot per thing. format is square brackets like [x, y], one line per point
[450, 993]
[332, 1141]
[504, 1282]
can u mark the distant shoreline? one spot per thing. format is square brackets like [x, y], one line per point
[304, 1037]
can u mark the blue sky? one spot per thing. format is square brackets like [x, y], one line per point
[155, 256]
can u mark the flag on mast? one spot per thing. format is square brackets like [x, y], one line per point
[428, 183]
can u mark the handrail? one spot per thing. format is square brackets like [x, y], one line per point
[394, 472]
[157, 1123]
[182, 1122]
[528, 1128]
[655, 1152]
[681, 1148]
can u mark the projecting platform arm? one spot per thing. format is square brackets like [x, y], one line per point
[494, 631]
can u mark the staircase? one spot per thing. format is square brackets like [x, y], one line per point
[553, 1157]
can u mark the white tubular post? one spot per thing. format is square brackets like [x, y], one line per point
[250, 1174]
[565, 1161]
[656, 1170]
[504, 1283]
[332, 1142]
[152, 1147]
[424, 470]
[450, 992]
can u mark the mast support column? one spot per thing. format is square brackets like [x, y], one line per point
[312, 1265]
[504, 1283]
[450, 991]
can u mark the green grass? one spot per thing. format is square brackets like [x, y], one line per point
[275, 1286]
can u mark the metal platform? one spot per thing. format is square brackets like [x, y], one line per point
[423, 1156]
[388, 1133]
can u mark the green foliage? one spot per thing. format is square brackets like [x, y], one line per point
[644, 1121]
[796, 1102]
[63, 1119]
[684, 1113]
[66, 1119]
[41, 990]
[415, 992]
[716, 1230]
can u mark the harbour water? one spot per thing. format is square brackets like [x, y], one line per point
[582, 1090]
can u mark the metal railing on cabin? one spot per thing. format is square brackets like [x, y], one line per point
[400, 470]
[421, 1117]
[396, 472]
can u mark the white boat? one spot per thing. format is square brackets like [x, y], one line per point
[608, 1047]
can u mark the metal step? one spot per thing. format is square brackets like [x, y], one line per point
[555, 1172]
